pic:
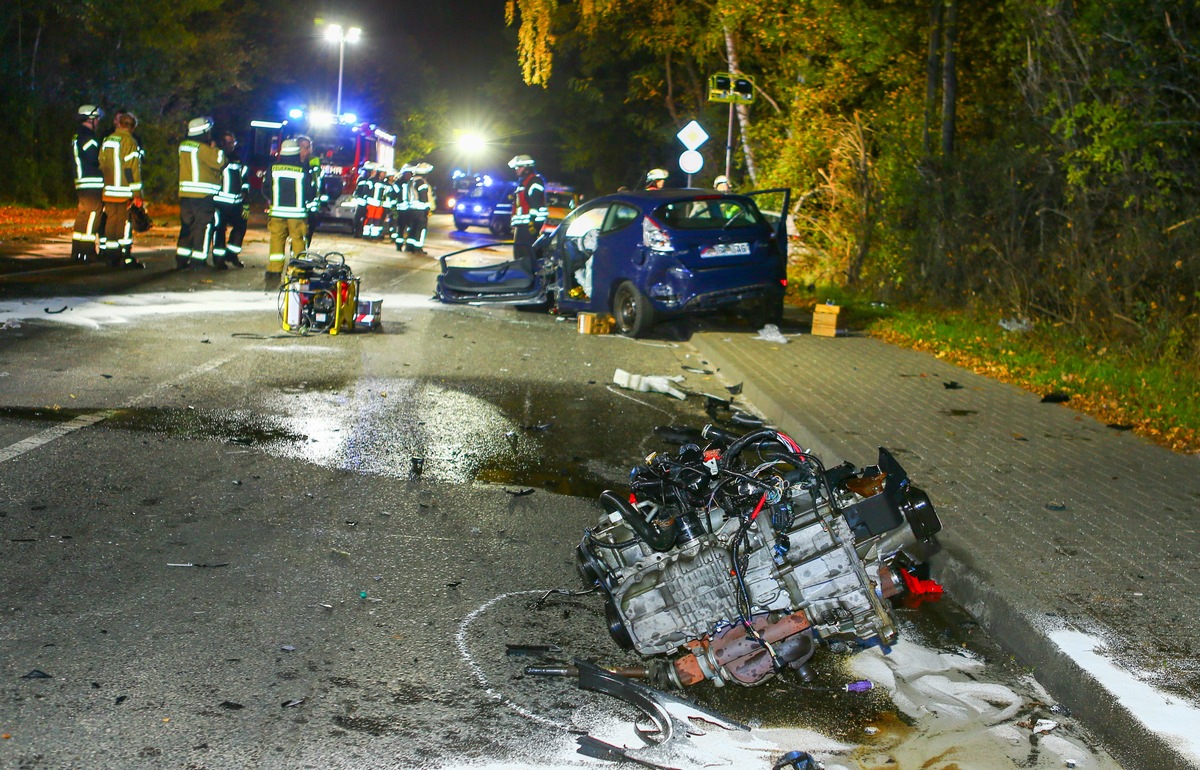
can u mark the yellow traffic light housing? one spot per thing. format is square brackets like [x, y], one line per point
[730, 88]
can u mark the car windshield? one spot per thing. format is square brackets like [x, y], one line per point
[561, 200]
[709, 213]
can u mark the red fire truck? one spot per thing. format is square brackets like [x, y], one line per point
[343, 148]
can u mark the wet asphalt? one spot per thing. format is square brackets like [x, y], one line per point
[312, 551]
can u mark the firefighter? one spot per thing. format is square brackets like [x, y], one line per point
[721, 184]
[121, 165]
[656, 178]
[287, 191]
[200, 167]
[361, 191]
[419, 204]
[89, 184]
[402, 213]
[376, 214]
[232, 209]
[312, 167]
[529, 210]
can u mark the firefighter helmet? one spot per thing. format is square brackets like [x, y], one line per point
[722, 180]
[421, 169]
[89, 112]
[198, 126]
[289, 147]
[656, 174]
[520, 161]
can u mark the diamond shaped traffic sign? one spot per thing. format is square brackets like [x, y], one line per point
[692, 135]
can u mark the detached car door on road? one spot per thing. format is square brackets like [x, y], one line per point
[644, 256]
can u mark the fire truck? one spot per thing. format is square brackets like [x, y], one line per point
[343, 146]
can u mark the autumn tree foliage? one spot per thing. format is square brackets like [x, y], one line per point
[1035, 157]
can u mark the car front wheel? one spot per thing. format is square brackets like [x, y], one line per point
[632, 311]
[459, 224]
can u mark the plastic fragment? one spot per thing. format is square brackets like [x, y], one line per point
[288, 648]
[1044, 726]
[644, 383]
[797, 760]
[291, 703]
[770, 333]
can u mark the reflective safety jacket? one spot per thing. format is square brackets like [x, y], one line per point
[86, 149]
[403, 192]
[121, 165]
[362, 190]
[200, 167]
[377, 193]
[418, 194]
[529, 205]
[287, 187]
[234, 184]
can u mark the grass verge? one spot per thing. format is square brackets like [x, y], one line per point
[1126, 389]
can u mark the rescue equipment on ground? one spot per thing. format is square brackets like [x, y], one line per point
[730, 562]
[321, 295]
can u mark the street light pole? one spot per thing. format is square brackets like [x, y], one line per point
[337, 33]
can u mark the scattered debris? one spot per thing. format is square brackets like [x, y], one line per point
[746, 419]
[200, 566]
[734, 390]
[120, 699]
[797, 760]
[229, 705]
[1054, 505]
[694, 370]
[598, 749]
[678, 434]
[770, 333]
[1057, 397]
[37, 673]
[952, 385]
[418, 465]
[870, 730]
[288, 648]
[1119, 426]
[522, 492]
[647, 383]
[107, 376]
[712, 405]
[532, 650]
[1021, 324]
[539, 426]
[54, 312]
[917, 586]
[291, 703]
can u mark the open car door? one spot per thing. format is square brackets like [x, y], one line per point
[483, 274]
[775, 205]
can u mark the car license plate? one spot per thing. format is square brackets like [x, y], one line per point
[725, 250]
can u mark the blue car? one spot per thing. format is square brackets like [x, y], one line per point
[641, 257]
[485, 205]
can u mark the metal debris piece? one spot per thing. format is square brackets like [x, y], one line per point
[598, 749]
[291, 703]
[694, 370]
[37, 673]
[1054, 505]
[200, 566]
[532, 650]
[734, 390]
[749, 420]
[1044, 726]
[418, 465]
[288, 648]
[952, 385]
[522, 492]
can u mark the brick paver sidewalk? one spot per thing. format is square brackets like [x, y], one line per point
[1053, 522]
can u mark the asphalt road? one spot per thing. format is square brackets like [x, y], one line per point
[228, 546]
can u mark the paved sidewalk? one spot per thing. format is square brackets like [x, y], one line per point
[1063, 537]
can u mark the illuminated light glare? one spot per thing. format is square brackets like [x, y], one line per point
[384, 135]
[295, 113]
[265, 124]
[349, 117]
[321, 118]
[353, 34]
[472, 143]
[334, 33]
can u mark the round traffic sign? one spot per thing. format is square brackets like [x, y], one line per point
[691, 161]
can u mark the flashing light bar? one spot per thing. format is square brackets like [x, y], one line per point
[265, 124]
[384, 135]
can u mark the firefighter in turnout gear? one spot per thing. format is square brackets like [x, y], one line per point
[121, 165]
[232, 209]
[286, 187]
[200, 167]
[529, 210]
[361, 191]
[89, 184]
[312, 167]
[376, 215]
[392, 199]
[656, 178]
[419, 204]
[400, 207]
